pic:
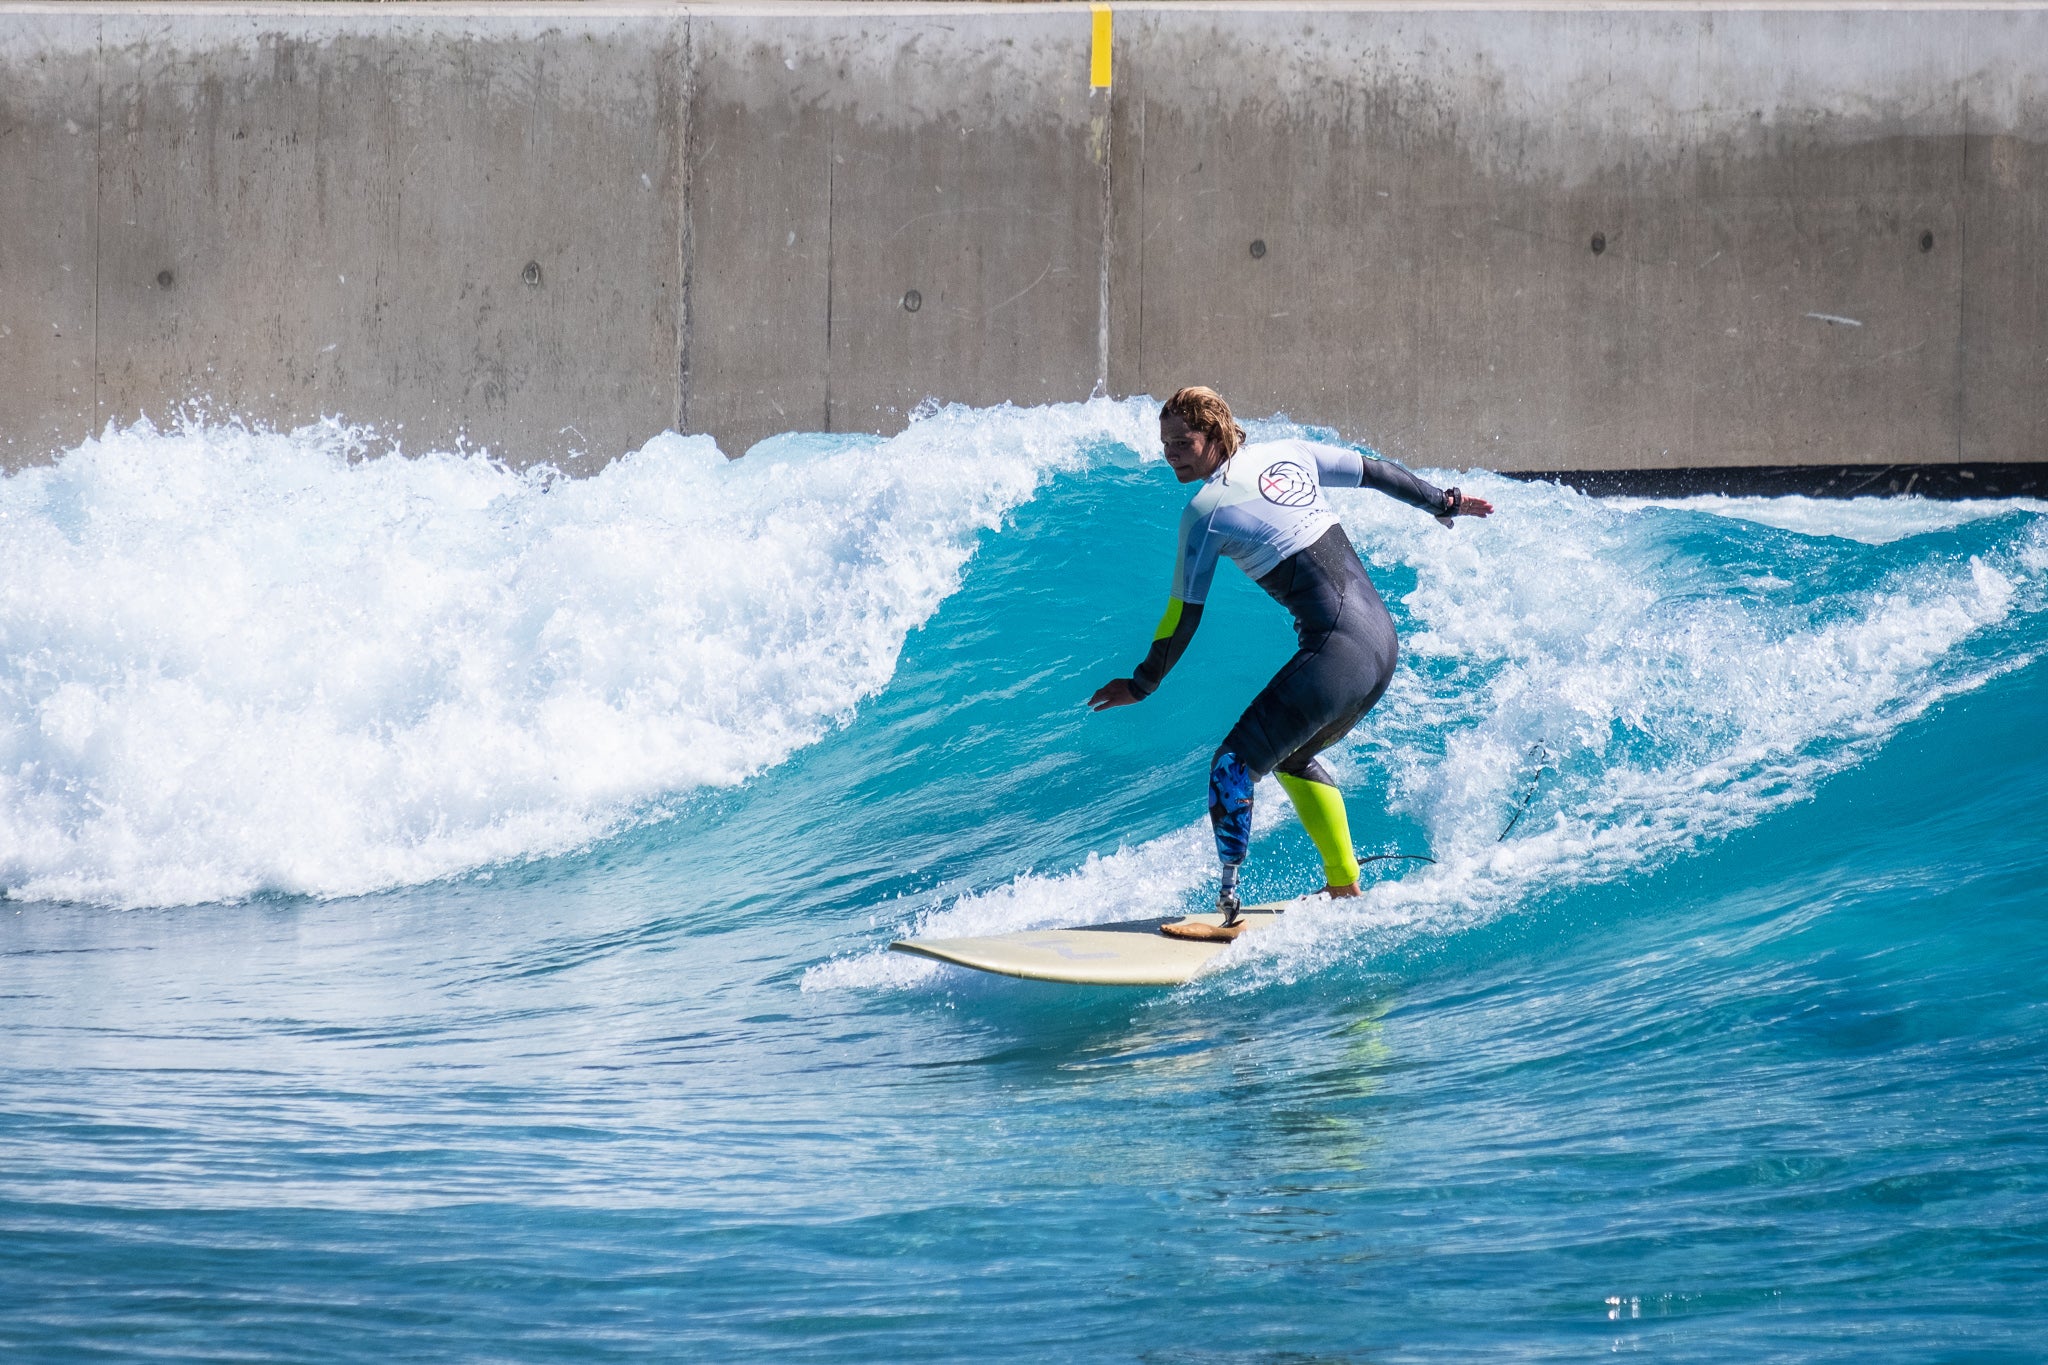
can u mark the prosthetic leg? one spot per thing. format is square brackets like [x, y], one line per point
[1230, 817]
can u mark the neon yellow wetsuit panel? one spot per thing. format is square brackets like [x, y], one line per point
[1321, 809]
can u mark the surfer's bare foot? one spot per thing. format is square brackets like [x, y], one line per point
[1334, 892]
[1204, 932]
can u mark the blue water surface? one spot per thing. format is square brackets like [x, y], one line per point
[364, 997]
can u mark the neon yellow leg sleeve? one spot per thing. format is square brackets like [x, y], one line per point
[1321, 809]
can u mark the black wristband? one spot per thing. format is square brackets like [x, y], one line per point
[1452, 499]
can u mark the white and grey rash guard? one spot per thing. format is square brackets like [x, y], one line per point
[1262, 505]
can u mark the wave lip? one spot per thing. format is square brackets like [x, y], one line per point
[235, 662]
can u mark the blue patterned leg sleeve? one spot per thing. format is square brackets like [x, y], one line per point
[1230, 808]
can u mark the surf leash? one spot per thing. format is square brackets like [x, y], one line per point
[1546, 763]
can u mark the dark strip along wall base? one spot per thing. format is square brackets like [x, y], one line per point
[1947, 482]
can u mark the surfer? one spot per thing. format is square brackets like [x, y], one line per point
[1263, 506]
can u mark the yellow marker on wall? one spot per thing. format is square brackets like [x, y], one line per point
[1098, 52]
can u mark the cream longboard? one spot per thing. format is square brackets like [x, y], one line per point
[1134, 953]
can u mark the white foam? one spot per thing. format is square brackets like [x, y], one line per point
[1870, 520]
[1673, 716]
[236, 661]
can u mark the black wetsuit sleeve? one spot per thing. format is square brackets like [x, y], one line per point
[1397, 481]
[1176, 628]
[1359, 467]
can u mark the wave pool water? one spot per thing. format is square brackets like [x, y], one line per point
[446, 914]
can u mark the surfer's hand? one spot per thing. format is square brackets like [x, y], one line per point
[1116, 692]
[1466, 506]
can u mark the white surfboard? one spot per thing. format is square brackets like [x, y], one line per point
[1134, 953]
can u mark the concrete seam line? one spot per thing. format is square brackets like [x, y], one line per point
[1102, 123]
[686, 96]
[99, 123]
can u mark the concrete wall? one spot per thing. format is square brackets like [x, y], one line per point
[290, 216]
[566, 228]
[840, 161]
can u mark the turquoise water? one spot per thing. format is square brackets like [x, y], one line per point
[446, 919]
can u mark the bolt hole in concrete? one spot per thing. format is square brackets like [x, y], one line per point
[531, 274]
[1259, 249]
[1927, 241]
[1599, 242]
[165, 279]
[912, 301]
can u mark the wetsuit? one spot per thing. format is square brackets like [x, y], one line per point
[1264, 508]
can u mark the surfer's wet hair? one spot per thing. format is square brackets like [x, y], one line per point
[1203, 409]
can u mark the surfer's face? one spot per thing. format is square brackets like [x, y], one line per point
[1194, 455]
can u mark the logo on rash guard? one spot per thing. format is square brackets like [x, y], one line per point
[1288, 484]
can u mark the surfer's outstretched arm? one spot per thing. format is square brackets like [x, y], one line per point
[1194, 568]
[1169, 642]
[1346, 467]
